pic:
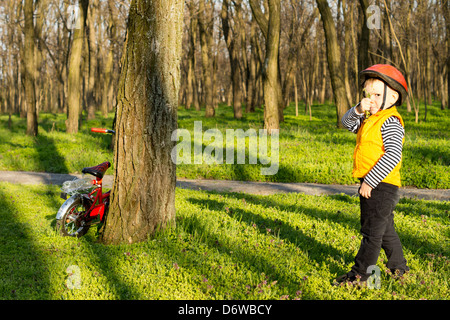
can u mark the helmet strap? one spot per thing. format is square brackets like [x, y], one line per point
[384, 96]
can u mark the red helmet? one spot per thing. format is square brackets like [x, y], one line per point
[389, 75]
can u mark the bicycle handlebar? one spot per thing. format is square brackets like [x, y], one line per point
[100, 130]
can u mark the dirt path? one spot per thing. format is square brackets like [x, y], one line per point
[261, 188]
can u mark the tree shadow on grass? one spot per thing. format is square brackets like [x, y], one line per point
[315, 249]
[315, 213]
[409, 241]
[23, 273]
[242, 259]
[413, 243]
[102, 256]
[49, 158]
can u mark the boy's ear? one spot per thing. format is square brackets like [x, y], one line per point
[395, 95]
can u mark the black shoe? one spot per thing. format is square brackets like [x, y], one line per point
[398, 273]
[351, 277]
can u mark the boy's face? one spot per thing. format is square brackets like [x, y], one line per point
[375, 88]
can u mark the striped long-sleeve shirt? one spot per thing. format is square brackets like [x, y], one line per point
[392, 133]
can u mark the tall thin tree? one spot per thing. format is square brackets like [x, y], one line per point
[271, 27]
[231, 40]
[206, 33]
[74, 78]
[334, 61]
[30, 66]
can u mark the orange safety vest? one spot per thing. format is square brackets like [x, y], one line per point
[369, 146]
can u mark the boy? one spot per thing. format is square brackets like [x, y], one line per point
[377, 162]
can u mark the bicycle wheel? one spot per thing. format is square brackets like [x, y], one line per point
[72, 223]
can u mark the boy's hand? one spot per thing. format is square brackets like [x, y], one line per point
[365, 190]
[367, 104]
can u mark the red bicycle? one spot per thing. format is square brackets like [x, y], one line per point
[87, 204]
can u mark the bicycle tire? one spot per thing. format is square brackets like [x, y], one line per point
[70, 225]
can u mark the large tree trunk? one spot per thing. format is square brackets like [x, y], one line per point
[30, 66]
[74, 78]
[143, 194]
[334, 61]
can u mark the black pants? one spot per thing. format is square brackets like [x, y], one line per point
[378, 231]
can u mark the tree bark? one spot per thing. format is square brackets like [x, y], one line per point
[252, 88]
[408, 53]
[191, 56]
[273, 99]
[243, 62]
[446, 9]
[41, 9]
[192, 97]
[30, 69]
[143, 193]
[92, 61]
[74, 78]
[347, 41]
[205, 36]
[354, 46]
[232, 47]
[334, 61]
[363, 50]
[107, 93]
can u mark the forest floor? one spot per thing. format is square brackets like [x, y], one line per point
[238, 234]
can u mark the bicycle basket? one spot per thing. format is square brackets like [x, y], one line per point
[82, 185]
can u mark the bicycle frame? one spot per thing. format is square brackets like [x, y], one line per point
[99, 205]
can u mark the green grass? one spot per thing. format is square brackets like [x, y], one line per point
[310, 151]
[224, 246]
[52, 150]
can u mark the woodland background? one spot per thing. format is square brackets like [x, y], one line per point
[223, 48]
[223, 245]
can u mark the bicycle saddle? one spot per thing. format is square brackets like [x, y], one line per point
[97, 171]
